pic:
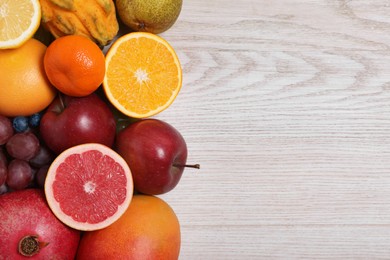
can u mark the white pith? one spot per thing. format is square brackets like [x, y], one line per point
[141, 76]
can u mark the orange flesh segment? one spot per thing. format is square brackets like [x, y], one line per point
[143, 76]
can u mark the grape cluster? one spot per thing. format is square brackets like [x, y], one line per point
[24, 158]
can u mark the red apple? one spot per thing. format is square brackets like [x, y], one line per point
[156, 154]
[70, 121]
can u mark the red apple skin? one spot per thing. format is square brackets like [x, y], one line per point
[70, 121]
[156, 154]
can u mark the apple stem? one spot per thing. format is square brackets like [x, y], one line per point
[61, 97]
[197, 166]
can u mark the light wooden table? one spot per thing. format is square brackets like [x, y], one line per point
[286, 106]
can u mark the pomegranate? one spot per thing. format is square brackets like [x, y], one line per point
[28, 228]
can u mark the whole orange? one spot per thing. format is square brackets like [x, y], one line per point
[24, 87]
[75, 65]
[149, 229]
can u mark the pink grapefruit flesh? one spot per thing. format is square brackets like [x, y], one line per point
[89, 186]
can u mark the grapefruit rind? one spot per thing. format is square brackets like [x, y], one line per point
[55, 206]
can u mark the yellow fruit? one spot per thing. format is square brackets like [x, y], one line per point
[95, 19]
[143, 74]
[24, 87]
[19, 20]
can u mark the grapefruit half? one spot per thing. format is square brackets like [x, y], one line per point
[89, 186]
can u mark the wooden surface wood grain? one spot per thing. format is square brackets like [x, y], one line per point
[286, 106]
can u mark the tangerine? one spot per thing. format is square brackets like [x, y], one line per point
[24, 87]
[148, 230]
[75, 65]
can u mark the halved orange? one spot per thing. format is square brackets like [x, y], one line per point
[19, 20]
[143, 74]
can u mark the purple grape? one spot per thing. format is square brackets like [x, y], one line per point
[3, 167]
[23, 146]
[3, 189]
[40, 176]
[6, 130]
[20, 174]
[43, 157]
[32, 183]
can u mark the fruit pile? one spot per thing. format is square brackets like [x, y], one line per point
[81, 158]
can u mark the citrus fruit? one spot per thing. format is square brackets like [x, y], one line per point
[143, 74]
[19, 20]
[88, 186]
[24, 87]
[148, 230]
[155, 16]
[75, 65]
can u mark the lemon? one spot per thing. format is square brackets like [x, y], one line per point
[19, 20]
